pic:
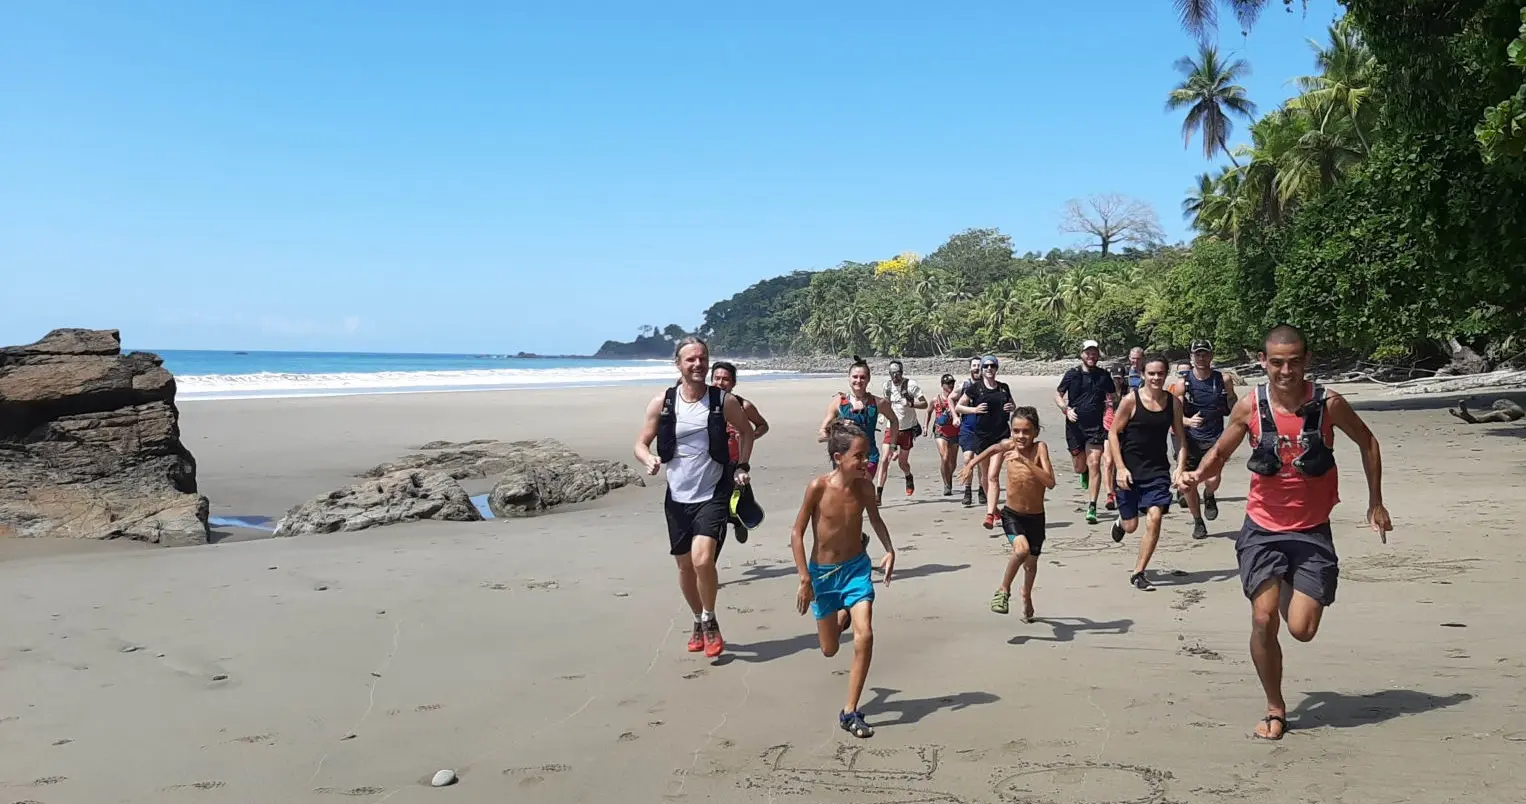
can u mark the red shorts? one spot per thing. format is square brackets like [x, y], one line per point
[902, 439]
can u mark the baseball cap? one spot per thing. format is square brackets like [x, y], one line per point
[1089, 344]
[1202, 346]
[895, 367]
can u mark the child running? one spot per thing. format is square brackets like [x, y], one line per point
[837, 583]
[1029, 475]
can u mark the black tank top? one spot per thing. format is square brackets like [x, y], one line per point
[1144, 440]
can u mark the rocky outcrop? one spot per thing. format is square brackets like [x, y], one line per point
[534, 476]
[90, 444]
[408, 495]
[553, 478]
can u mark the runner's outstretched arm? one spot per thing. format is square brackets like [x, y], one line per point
[1045, 468]
[999, 447]
[759, 424]
[1180, 430]
[644, 438]
[797, 542]
[865, 489]
[1219, 454]
[1342, 416]
[737, 418]
[1122, 478]
[832, 415]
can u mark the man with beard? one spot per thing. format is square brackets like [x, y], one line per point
[689, 423]
[1082, 398]
[1286, 551]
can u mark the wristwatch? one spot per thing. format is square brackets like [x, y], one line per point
[744, 466]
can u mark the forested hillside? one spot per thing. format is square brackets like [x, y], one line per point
[1383, 209]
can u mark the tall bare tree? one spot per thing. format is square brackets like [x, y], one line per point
[1110, 219]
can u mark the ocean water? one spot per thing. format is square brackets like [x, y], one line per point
[257, 375]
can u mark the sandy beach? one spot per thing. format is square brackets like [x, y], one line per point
[543, 660]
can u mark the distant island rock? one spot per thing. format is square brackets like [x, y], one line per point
[650, 343]
[90, 444]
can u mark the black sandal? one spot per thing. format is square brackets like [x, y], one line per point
[1268, 721]
[853, 723]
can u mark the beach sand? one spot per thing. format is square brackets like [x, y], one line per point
[543, 660]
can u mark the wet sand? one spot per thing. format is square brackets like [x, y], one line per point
[543, 660]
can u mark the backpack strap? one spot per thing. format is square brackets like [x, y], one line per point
[1314, 412]
[1268, 437]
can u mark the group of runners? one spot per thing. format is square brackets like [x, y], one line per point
[1122, 429]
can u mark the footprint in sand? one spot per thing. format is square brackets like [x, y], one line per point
[547, 585]
[695, 674]
[628, 737]
[209, 785]
[368, 790]
[573, 677]
[428, 707]
[257, 739]
[49, 780]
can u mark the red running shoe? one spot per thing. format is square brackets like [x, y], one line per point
[697, 639]
[713, 642]
[990, 521]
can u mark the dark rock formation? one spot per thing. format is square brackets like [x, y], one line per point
[90, 444]
[533, 475]
[408, 495]
[552, 479]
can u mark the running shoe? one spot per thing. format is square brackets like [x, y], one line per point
[1112, 502]
[741, 531]
[911, 486]
[697, 639]
[713, 642]
[982, 496]
[1091, 513]
[990, 521]
[1210, 507]
[879, 495]
[1118, 530]
[1000, 602]
[1200, 530]
[969, 502]
[948, 491]
[1139, 582]
[1085, 480]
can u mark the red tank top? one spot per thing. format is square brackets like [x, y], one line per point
[1291, 500]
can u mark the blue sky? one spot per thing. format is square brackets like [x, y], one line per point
[486, 176]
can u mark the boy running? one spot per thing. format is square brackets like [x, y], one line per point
[837, 583]
[1029, 475]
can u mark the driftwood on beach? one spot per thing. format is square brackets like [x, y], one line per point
[1503, 410]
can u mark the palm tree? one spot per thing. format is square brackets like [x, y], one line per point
[1344, 82]
[1050, 297]
[1192, 205]
[1210, 95]
[1200, 17]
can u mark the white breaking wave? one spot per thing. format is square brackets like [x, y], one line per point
[273, 384]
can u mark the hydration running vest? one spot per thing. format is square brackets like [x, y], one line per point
[667, 427]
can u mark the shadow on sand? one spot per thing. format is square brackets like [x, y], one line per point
[1341, 711]
[1183, 578]
[1066, 628]
[880, 707]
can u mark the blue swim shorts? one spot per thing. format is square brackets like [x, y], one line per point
[840, 586]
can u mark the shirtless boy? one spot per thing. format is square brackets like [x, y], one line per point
[1029, 475]
[837, 584]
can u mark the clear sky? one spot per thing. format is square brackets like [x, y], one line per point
[479, 176]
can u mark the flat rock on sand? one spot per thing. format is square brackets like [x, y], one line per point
[409, 495]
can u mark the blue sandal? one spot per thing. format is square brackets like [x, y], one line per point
[853, 723]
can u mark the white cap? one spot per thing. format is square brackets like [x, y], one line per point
[1088, 345]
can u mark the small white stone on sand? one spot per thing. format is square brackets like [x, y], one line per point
[443, 778]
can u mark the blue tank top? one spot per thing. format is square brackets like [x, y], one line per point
[1208, 398]
[867, 420]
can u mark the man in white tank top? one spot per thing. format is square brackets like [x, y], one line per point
[698, 501]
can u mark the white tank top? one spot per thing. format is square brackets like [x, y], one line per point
[692, 474]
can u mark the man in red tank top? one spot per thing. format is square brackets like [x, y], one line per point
[1288, 564]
